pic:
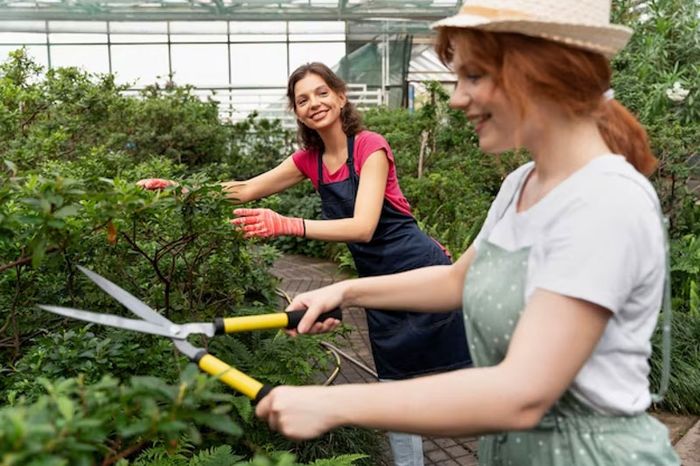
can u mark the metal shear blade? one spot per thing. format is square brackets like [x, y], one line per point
[179, 332]
[113, 321]
[144, 311]
[129, 301]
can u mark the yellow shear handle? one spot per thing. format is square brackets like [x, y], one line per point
[269, 321]
[233, 377]
[259, 322]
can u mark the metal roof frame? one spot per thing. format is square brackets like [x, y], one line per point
[238, 10]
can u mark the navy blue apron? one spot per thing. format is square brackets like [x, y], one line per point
[404, 344]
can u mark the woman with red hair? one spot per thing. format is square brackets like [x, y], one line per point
[562, 287]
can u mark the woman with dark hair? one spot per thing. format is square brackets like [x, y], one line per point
[353, 170]
[562, 287]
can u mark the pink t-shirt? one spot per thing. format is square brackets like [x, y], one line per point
[366, 143]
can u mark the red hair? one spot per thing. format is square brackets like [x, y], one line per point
[527, 68]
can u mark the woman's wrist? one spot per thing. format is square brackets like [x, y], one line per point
[348, 294]
[339, 399]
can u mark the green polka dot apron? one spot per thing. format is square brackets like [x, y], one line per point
[571, 433]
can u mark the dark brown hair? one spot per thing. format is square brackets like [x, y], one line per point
[527, 68]
[351, 119]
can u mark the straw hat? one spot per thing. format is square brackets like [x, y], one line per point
[579, 23]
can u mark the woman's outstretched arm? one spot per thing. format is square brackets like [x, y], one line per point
[551, 343]
[368, 206]
[437, 288]
[358, 228]
[282, 177]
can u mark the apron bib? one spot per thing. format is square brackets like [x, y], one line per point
[571, 433]
[404, 344]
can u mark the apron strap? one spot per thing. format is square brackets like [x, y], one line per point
[351, 151]
[516, 192]
[350, 160]
[667, 319]
[666, 308]
[320, 169]
[352, 173]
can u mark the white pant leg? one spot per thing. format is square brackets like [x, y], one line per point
[407, 449]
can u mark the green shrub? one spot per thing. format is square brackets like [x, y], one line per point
[81, 424]
[73, 151]
[683, 394]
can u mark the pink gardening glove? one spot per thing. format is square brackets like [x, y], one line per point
[266, 223]
[154, 184]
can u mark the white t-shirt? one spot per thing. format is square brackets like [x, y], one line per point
[597, 236]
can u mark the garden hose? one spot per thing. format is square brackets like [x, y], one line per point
[355, 361]
[332, 350]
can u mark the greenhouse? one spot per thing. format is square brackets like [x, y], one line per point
[176, 170]
[238, 52]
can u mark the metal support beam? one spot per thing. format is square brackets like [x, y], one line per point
[234, 10]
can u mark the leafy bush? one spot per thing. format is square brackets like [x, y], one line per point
[78, 424]
[255, 146]
[664, 52]
[73, 147]
[223, 456]
[685, 270]
[64, 115]
[79, 352]
[683, 395]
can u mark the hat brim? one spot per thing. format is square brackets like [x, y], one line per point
[607, 40]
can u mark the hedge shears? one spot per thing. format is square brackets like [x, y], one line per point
[154, 323]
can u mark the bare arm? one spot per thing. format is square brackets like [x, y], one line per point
[407, 290]
[358, 228]
[368, 206]
[552, 341]
[401, 291]
[283, 176]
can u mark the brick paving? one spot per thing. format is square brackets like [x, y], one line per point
[298, 274]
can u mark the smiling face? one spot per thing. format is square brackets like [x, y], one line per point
[494, 117]
[316, 105]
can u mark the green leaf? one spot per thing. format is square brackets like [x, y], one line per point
[67, 211]
[11, 166]
[65, 407]
[172, 426]
[694, 303]
[243, 407]
[135, 428]
[45, 205]
[220, 423]
[38, 251]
